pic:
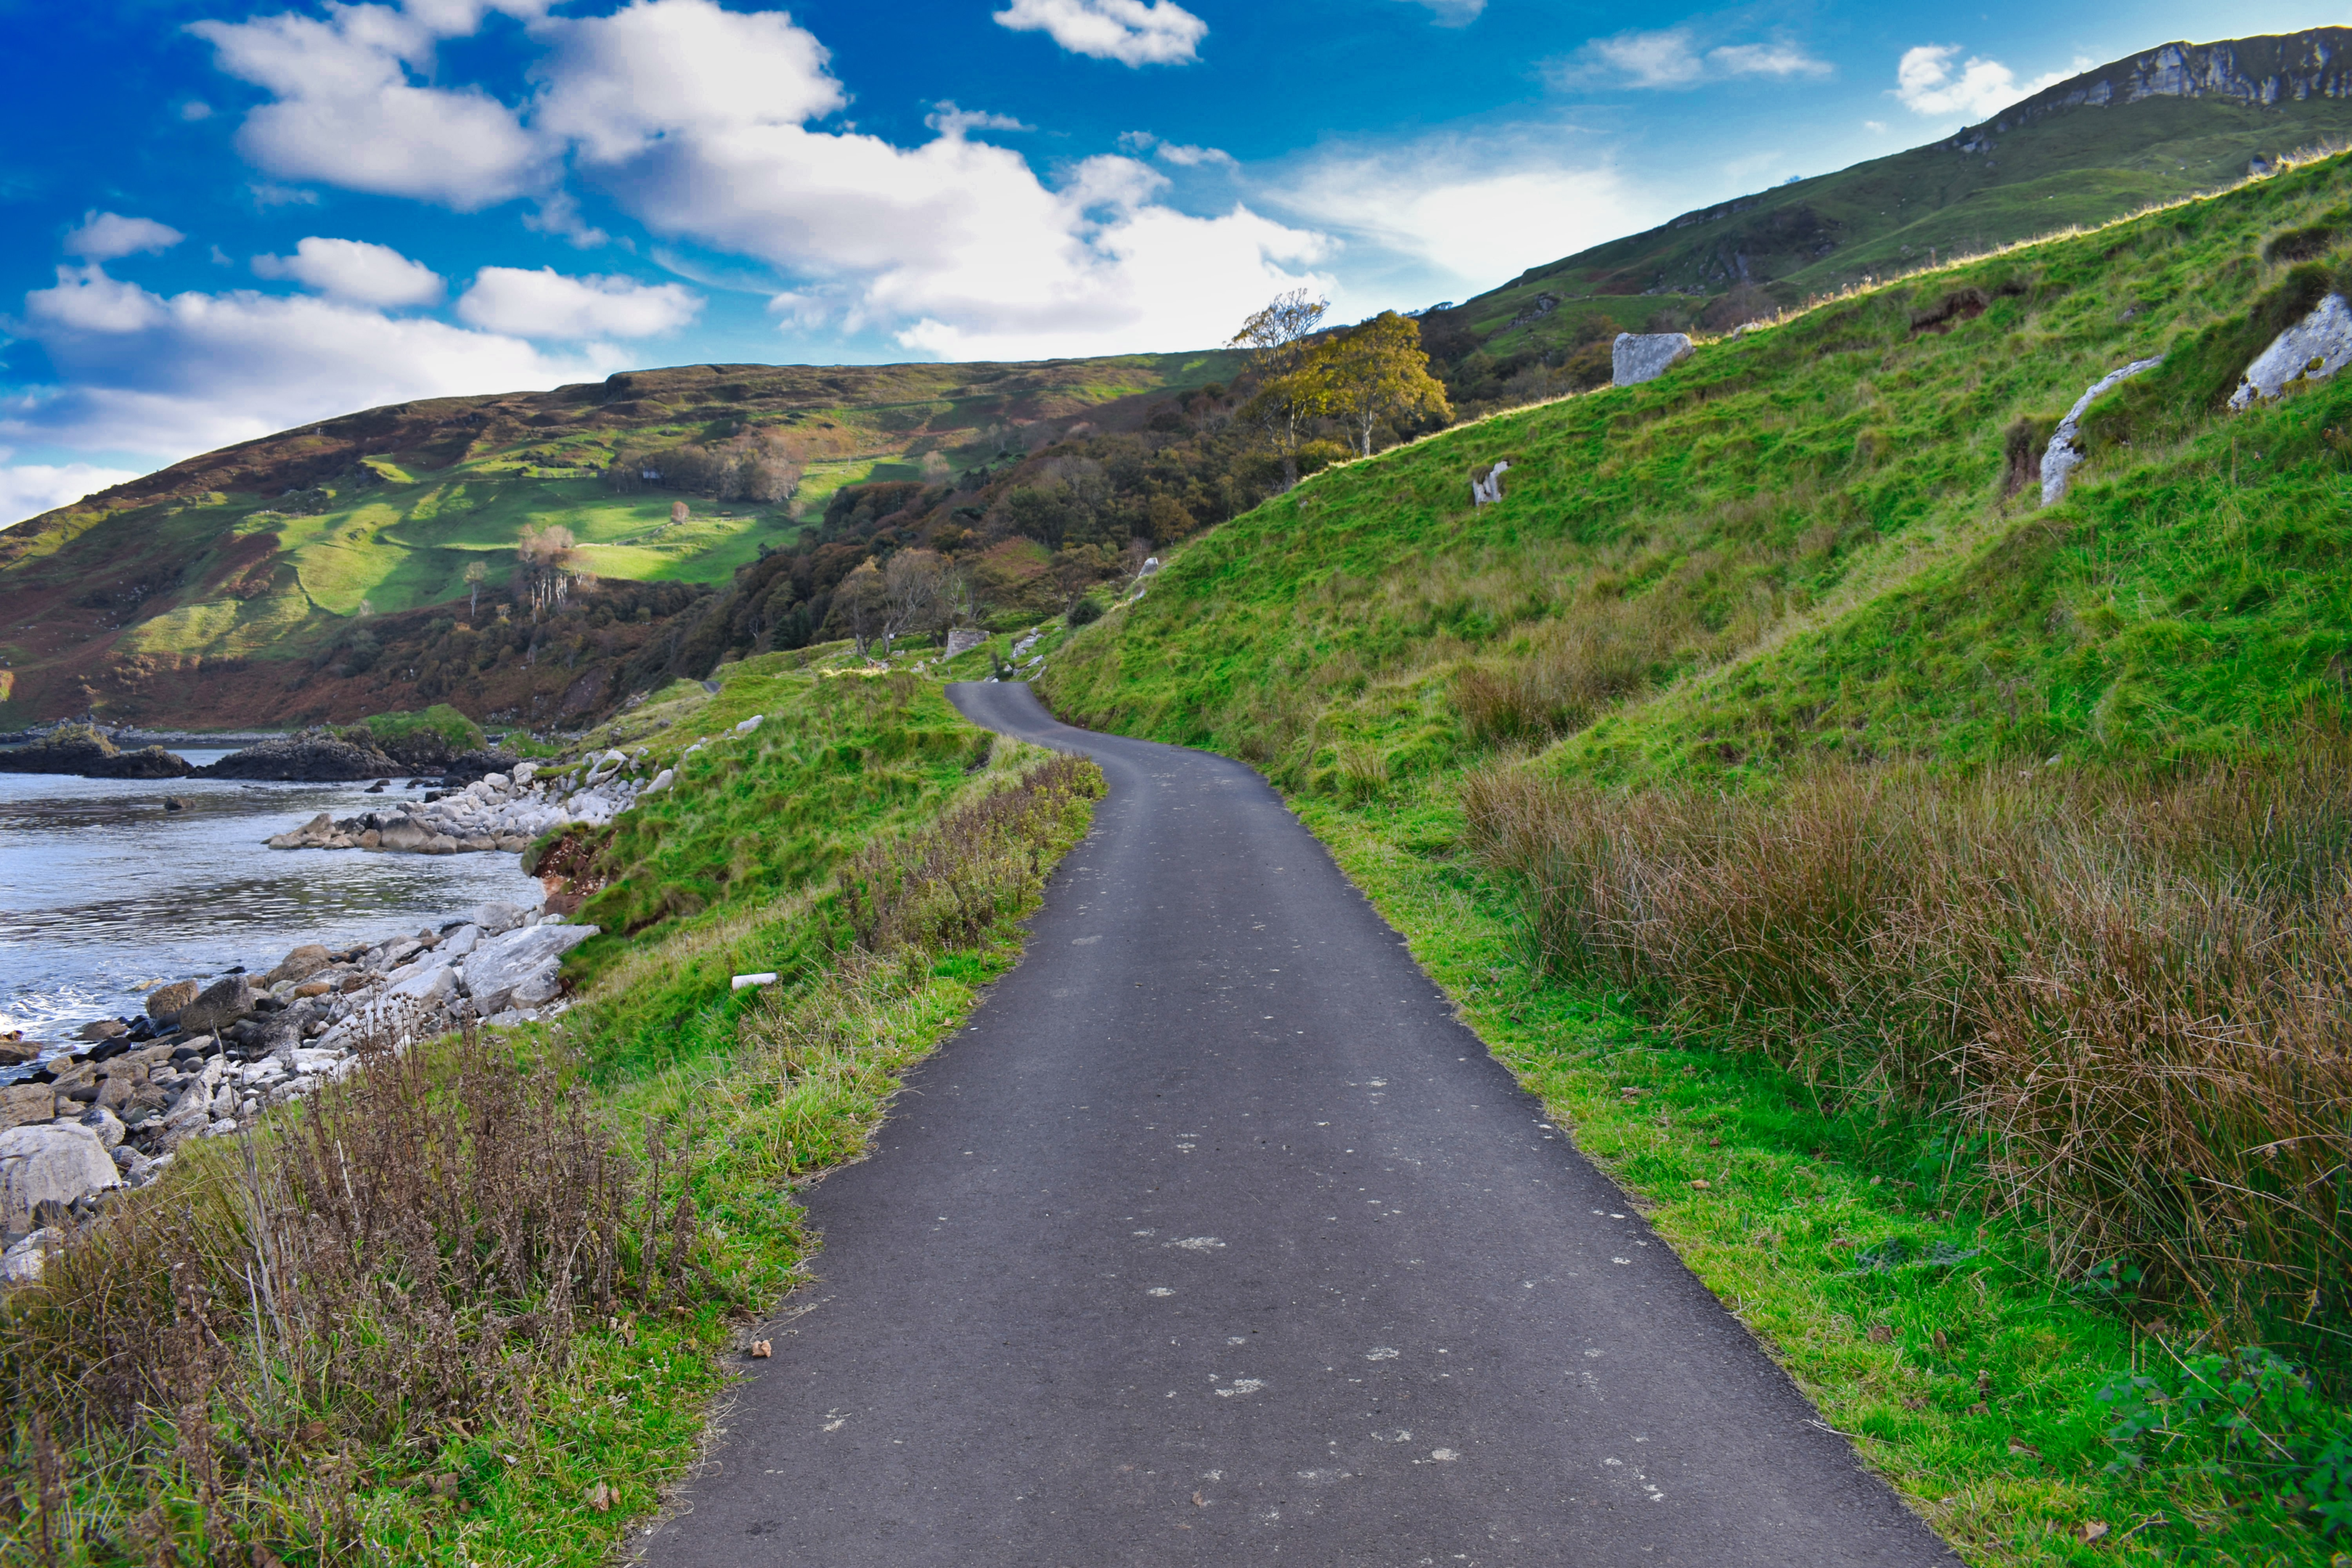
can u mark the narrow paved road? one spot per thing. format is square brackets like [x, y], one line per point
[1217, 1241]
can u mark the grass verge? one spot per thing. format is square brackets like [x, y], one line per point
[1933, 1335]
[471, 1305]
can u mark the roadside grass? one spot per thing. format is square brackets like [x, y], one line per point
[368, 1402]
[1843, 1234]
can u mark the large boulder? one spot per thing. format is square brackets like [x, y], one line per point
[496, 917]
[24, 1102]
[167, 1001]
[219, 1004]
[526, 960]
[300, 964]
[1637, 357]
[2313, 349]
[61, 1160]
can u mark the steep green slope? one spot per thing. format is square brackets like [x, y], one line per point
[1811, 536]
[2155, 127]
[1710, 772]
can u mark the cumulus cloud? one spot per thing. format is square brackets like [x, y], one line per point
[1927, 84]
[707, 124]
[103, 237]
[1672, 57]
[1471, 214]
[549, 304]
[145, 372]
[28, 489]
[346, 112]
[697, 120]
[355, 270]
[1160, 32]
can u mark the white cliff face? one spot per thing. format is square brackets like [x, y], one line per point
[2312, 349]
[2065, 453]
[2293, 67]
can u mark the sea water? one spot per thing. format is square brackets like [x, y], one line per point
[103, 891]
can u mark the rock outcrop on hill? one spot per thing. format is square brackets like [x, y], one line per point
[82, 749]
[1637, 357]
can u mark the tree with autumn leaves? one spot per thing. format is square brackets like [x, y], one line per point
[1372, 374]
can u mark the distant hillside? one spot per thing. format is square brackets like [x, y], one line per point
[321, 571]
[2173, 122]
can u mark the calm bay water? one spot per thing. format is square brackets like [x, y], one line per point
[102, 890]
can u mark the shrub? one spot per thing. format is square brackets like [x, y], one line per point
[1086, 612]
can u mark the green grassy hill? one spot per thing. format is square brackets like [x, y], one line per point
[206, 593]
[2083, 152]
[1926, 903]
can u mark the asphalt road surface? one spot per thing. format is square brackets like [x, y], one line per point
[1216, 1240]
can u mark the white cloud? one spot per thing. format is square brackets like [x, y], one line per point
[1671, 58]
[1875, 127]
[28, 489]
[346, 112]
[1471, 214]
[355, 270]
[955, 245]
[1452, 13]
[1160, 32]
[948, 121]
[103, 237]
[1193, 157]
[1925, 83]
[195, 108]
[548, 305]
[143, 372]
[1765, 59]
[663, 70]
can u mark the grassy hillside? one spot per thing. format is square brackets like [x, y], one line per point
[1928, 901]
[2044, 165]
[207, 591]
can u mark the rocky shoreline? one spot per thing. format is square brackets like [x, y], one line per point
[210, 1060]
[499, 811]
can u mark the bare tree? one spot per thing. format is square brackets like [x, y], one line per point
[1279, 339]
[476, 572]
[916, 584]
[551, 560]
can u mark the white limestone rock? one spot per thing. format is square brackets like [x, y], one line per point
[2064, 453]
[60, 1160]
[2312, 349]
[1637, 357]
[525, 960]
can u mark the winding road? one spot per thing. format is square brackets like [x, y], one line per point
[1216, 1240]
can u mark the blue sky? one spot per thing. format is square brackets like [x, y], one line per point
[220, 219]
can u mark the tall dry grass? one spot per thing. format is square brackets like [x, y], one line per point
[949, 885]
[2133, 991]
[218, 1355]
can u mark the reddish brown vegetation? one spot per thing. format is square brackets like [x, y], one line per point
[2133, 994]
